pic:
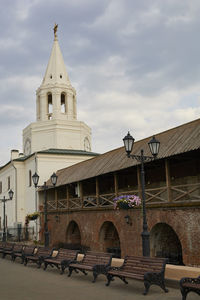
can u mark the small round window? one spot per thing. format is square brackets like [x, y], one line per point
[60, 75]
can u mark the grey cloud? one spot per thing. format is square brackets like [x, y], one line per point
[122, 56]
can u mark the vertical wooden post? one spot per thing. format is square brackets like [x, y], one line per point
[56, 197]
[67, 188]
[97, 191]
[81, 193]
[168, 181]
[116, 184]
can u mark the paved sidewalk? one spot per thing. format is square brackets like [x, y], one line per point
[18, 282]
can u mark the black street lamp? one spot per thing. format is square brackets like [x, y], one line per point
[35, 178]
[4, 200]
[154, 146]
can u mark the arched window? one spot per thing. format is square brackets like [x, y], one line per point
[63, 103]
[49, 106]
[74, 106]
[30, 178]
[38, 107]
[8, 182]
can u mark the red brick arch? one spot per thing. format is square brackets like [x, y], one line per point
[108, 236]
[73, 233]
[165, 242]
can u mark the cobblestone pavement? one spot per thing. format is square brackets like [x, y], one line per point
[18, 282]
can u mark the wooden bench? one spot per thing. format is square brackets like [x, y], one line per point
[17, 250]
[27, 250]
[39, 256]
[62, 260]
[2, 245]
[98, 263]
[150, 270]
[7, 249]
[188, 284]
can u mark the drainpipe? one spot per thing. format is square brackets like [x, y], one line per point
[36, 195]
[15, 192]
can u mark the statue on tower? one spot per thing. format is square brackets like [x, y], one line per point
[55, 30]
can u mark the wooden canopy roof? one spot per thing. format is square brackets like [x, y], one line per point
[174, 141]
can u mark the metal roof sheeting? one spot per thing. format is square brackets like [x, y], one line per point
[174, 141]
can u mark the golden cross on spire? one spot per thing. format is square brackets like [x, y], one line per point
[55, 30]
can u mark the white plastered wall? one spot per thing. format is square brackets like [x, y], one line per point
[25, 200]
[57, 134]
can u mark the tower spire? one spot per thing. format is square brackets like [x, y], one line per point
[55, 32]
[56, 72]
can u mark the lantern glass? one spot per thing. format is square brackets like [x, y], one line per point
[154, 146]
[128, 143]
[10, 193]
[128, 220]
[35, 179]
[54, 178]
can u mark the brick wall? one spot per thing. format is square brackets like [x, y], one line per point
[184, 222]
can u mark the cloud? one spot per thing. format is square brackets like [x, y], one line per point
[134, 64]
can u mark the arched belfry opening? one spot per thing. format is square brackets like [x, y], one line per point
[165, 243]
[49, 106]
[38, 108]
[73, 235]
[63, 103]
[74, 106]
[109, 239]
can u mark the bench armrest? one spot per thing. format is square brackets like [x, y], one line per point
[114, 268]
[47, 257]
[67, 262]
[154, 277]
[189, 280]
[101, 269]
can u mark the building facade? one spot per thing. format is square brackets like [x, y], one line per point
[56, 140]
[172, 200]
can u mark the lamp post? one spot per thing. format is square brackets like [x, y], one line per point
[4, 200]
[154, 146]
[35, 178]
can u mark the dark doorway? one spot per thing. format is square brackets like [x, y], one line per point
[165, 243]
[73, 235]
[109, 239]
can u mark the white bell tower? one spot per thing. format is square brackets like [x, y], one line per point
[56, 125]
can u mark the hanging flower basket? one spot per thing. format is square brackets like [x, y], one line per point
[123, 205]
[33, 216]
[126, 202]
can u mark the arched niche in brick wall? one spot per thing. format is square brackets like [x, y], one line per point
[73, 235]
[165, 243]
[109, 239]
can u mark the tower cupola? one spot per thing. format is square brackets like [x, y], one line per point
[56, 98]
[56, 125]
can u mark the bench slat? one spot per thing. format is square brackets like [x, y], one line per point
[149, 269]
[62, 259]
[96, 262]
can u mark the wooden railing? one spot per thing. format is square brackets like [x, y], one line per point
[75, 203]
[162, 195]
[156, 195]
[90, 201]
[186, 192]
[106, 200]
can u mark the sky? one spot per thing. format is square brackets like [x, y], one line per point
[135, 65]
